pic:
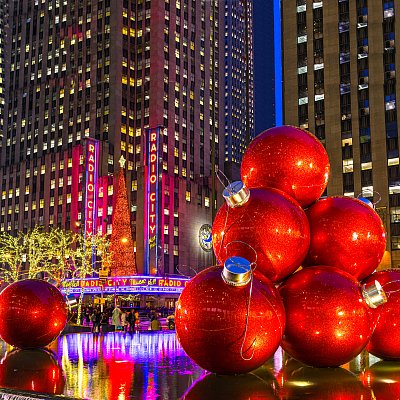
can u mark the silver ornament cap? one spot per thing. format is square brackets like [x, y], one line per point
[236, 194]
[374, 295]
[237, 271]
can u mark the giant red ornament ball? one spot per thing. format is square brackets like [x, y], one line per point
[33, 313]
[270, 228]
[290, 159]
[347, 234]
[211, 320]
[385, 341]
[35, 370]
[328, 321]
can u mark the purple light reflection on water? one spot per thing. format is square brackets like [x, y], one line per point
[125, 366]
[153, 365]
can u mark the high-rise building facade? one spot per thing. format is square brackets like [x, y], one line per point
[239, 78]
[3, 24]
[90, 81]
[340, 58]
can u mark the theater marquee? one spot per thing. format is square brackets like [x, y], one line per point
[127, 284]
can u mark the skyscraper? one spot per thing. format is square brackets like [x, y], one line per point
[92, 80]
[3, 24]
[239, 78]
[340, 59]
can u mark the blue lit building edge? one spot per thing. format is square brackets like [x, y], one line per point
[278, 63]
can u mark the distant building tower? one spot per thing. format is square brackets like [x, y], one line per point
[115, 72]
[239, 80]
[340, 66]
[3, 38]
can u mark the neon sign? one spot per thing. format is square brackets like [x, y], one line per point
[134, 284]
[92, 150]
[152, 201]
[153, 169]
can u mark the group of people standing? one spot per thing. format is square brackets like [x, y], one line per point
[125, 321]
[98, 319]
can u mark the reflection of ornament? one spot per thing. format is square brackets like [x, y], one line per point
[385, 341]
[263, 221]
[32, 370]
[228, 323]
[347, 234]
[322, 383]
[33, 313]
[205, 237]
[383, 378]
[242, 387]
[290, 159]
[328, 320]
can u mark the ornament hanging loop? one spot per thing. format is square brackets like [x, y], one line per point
[253, 264]
[223, 179]
[363, 196]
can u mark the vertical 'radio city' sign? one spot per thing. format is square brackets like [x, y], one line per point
[92, 154]
[152, 199]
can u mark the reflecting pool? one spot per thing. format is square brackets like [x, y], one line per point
[153, 365]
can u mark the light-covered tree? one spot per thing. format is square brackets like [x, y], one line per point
[12, 253]
[62, 243]
[90, 254]
[39, 252]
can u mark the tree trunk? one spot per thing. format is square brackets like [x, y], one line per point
[78, 319]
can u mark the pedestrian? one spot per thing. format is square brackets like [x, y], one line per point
[96, 321]
[155, 323]
[123, 320]
[137, 320]
[116, 317]
[104, 321]
[130, 320]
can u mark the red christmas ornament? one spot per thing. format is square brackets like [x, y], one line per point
[33, 313]
[385, 341]
[383, 378]
[347, 234]
[227, 323]
[328, 319]
[322, 383]
[242, 387]
[265, 226]
[32, 370]
[290, 159]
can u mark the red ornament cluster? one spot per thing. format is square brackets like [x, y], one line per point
[317, 257]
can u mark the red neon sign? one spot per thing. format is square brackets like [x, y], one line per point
[153, 181]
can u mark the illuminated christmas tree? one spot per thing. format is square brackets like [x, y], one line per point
[121, 246]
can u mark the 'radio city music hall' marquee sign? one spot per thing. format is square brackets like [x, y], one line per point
[127, 284]
[152, 200]
[92, 154]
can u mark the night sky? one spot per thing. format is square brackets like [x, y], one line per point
[263, 64]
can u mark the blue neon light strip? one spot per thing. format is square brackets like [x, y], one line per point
[278, 63]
